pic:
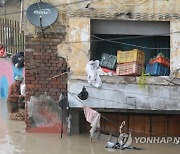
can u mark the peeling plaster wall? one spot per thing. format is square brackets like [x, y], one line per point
[77, 54]
[114, 6]
[141, 6]
[175, 46]
[106, 6]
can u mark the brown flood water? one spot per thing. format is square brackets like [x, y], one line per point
[14, 140]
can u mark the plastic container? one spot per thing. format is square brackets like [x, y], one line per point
[129, 69]
[161, 60]
[108, 61]
[157, 69]
[165, 71]
[130, 56]
[106, 70]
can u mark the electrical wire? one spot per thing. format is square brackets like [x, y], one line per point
[86, 105]
[133, 45]
[94, 37]
[127, 104]
[109, 40]
[59, 5]
[120, 38]
[113, 90]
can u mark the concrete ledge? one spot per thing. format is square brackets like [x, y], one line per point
[153, 80]
[125, 96]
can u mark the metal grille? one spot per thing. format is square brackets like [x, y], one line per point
[10, 36]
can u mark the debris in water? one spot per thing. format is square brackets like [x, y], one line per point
[20, 116]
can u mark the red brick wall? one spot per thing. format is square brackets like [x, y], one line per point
[42, 63]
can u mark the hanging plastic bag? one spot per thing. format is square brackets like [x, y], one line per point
[93, 73]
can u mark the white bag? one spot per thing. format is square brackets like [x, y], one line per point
[92, 69]
[23, 89]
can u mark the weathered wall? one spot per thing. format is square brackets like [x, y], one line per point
[76, 20]
[41, 64]
[143, 10]
[141, 6]
[123, 96]
[7, 75]
[100, 7]
[11, 10]
[175, 46]
[79, 52]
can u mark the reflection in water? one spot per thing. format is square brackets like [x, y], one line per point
[14, 140]
[7, 146]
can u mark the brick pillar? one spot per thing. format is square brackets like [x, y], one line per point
[42, 63]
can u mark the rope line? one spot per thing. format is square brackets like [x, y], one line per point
[126, 91]
[150, 133]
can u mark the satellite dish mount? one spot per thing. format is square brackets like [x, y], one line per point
[42, 15]
[42, 29]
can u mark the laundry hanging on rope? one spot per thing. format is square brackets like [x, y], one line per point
[93, 117]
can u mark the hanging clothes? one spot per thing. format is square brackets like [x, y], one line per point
[93, 117]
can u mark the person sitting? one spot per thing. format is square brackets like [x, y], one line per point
[14, 95]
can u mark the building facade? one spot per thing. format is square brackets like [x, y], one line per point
[89, 28]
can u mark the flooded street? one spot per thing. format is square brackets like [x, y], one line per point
[15, 140]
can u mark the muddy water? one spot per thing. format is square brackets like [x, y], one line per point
[14, 140]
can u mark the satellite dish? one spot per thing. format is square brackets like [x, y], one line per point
[41, 14]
